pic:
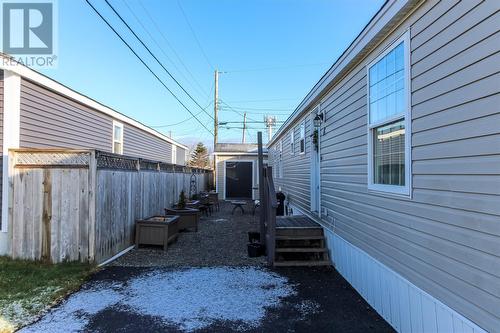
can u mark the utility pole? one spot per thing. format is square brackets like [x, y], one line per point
[216, 121]
[244, 126]
[216, 107]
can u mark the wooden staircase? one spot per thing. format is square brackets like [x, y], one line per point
[300, 242]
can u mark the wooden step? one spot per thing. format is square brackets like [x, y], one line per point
[300, 249]
[302, 263]
[299, 238]
[300, 232]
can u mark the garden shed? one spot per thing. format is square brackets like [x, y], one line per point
[236, 170]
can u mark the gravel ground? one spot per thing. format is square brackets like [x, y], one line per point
[221, 240]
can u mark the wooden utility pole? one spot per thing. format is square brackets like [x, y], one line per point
[216, 107]
[244, 126]
[216, 121]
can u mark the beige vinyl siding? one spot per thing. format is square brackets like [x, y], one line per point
[49, 120]
[296, 181]
[139, 143]
[445, 239]
[181, 156]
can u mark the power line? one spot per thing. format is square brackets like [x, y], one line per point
[265, 69]
[158, 61]
[194, 35]
[222, 123]
[145, 65]
[182, 121]
[161, 48]
[170, 45]
[259, 109]
[285, 114]
[263, 100]
[238, 112]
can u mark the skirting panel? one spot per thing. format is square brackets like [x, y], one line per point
[402, 304]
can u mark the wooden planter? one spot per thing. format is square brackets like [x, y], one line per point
[188, 217]
[157, 230]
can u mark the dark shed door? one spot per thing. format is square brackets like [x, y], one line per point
[239, 180]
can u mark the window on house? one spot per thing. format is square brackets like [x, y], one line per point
[117, 138]
[174, 154]
[302, 140]
[388, 114]
[292, 142]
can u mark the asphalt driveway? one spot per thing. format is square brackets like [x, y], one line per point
[213, 299]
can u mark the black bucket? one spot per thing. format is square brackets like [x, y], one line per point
[254, 250]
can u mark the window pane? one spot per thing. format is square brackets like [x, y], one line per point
[117, 148]
[389, 154]
[387, 79]
[118, 133]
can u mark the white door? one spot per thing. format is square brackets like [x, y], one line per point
[315, 168]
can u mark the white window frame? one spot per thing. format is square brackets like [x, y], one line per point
[302, 136]
[115, 125]
[174, 154]
[383, 188]
[292, 142]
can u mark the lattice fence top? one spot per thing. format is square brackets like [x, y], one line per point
[52, 159]
[149, 165]
[116, 162]
[104, 160]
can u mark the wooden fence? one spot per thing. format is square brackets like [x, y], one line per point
[67, 205]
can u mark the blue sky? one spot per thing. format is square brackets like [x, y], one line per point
[271, 52]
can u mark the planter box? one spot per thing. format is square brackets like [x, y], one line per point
[188, 217]
[157, 230]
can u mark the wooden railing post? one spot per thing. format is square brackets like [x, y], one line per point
[272, 204]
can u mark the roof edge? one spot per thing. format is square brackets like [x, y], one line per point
[7, 63]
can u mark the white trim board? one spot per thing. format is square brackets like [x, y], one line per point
[385, 290]
[11, 137]
[8, 65]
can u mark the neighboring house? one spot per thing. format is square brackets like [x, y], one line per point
[38, 112]
[237, 171]
[405, 178]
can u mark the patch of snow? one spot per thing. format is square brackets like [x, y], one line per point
[307, 308]
[190, 299]
[74, 314]
[22, 311]
[195, 298]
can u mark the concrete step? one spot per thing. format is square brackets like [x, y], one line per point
[304, 263]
